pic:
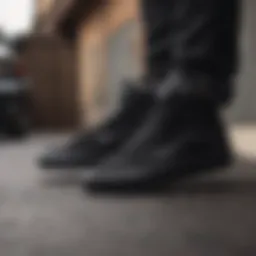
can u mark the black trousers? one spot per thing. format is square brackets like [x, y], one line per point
[194, 36]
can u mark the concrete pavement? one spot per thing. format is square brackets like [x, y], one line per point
[49, 214]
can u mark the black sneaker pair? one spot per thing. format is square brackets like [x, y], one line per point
[150, 141]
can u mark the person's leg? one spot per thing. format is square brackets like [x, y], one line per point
[155, 16]
[203, 40]
[199, 36]
[183, 134]
[230, 33]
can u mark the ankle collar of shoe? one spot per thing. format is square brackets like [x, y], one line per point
[187, 84]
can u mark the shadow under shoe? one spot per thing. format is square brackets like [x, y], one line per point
[181, 138]
[88, 149]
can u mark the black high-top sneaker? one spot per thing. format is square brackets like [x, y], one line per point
[88, 149]
[182, 136]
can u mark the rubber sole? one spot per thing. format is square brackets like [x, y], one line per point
[157, 182]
